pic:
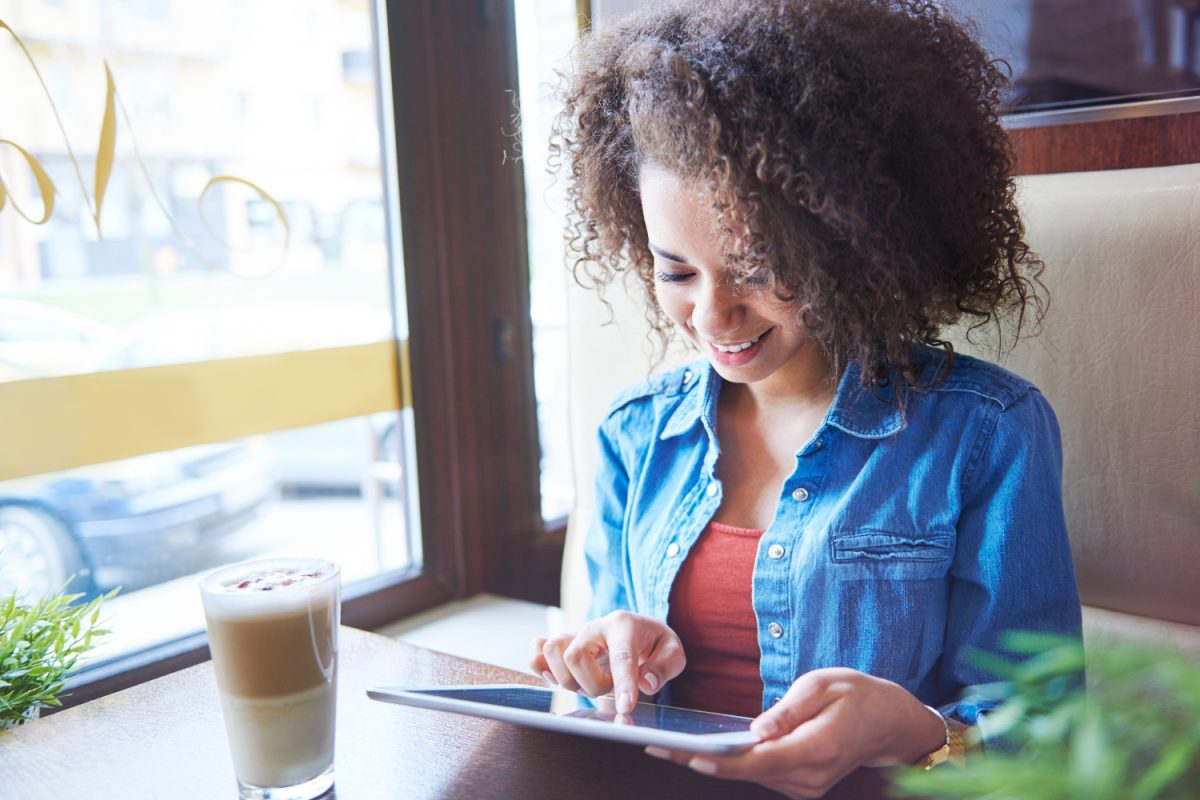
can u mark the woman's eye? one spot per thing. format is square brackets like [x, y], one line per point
[671, 277]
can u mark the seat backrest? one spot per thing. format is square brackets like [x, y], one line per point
[608, 348]
[1118, 358]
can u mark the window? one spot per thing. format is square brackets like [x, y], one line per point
[546, 32]
[356, 393]
[1090, 52]
[1096, 84]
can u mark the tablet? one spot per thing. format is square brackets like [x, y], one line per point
[566, 712]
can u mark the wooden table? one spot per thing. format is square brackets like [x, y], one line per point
[165, 739]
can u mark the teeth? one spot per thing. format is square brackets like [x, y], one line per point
[737, 348]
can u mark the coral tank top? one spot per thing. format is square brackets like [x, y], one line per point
[711, 610]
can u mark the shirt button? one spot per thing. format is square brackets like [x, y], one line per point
[687, 376]
[672, 549]
[712, 490]
[775, 551]
[775, 629]
[800, 494]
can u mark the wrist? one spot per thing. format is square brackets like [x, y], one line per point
[927, 734]
[919, 731]
[953, 748]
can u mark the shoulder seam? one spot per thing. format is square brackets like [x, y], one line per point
[669, 383]
[990, 382]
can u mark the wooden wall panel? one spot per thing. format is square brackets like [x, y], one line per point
[1159, 141]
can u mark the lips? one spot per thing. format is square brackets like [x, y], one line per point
[735, 354]
[736, 348]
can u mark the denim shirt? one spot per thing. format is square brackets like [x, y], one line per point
[899, 539]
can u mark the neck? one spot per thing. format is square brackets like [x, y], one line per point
[806, 384]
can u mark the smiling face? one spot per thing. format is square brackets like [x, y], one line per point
[749, 335]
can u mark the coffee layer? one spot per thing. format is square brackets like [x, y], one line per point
[276, 654]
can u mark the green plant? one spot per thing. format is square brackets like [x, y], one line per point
[1134, 734]
[40, 644]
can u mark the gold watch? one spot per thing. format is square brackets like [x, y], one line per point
[952, 750]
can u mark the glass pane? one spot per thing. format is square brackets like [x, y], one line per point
[152, 524]
[546, 32]
[1067, 53]
[233, 200]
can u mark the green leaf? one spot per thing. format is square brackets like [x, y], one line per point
[40, 643]
[1035, 642]
[1176, 758]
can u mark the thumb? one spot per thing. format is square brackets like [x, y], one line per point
[805, 698]
[664, 662]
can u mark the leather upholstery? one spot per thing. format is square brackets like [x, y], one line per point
[1118, 358]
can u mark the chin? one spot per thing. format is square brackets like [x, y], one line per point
[750, 373]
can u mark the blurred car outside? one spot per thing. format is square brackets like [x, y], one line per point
[131, 522]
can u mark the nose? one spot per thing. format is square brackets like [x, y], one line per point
[718, 307]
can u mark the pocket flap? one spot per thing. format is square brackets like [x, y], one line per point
[875, 546]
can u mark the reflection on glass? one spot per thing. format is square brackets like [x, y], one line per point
[1066, 53]
[599, 709]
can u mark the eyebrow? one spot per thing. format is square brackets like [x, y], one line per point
[658, 251]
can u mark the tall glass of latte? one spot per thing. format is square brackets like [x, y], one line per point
[272, 629]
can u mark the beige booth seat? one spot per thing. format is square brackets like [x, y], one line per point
[1119, 359]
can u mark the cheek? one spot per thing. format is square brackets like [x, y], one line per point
[784, 315]
[676, 309]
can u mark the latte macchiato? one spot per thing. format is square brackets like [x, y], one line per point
[272, 629]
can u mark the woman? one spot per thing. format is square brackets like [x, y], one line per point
[813, 523]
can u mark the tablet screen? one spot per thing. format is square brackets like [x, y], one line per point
[567, 704]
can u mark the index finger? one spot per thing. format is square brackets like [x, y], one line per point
[623, 661]
[602, 657]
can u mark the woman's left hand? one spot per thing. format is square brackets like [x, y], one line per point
[830, 723]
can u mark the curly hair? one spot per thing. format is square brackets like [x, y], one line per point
[850, 149]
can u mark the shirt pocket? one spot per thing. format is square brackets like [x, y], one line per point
[868, 554]
[889, 595]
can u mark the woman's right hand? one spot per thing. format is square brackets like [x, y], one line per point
[621, 653]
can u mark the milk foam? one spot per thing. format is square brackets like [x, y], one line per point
[268, 587]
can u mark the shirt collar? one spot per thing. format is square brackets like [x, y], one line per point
[869, 413]
[699, 404]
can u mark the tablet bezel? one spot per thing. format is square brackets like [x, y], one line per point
[712, 743]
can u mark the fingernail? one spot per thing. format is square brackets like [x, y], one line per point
[657, 752]
[703, 766]
[624, 702]
[764, 727]
[652, 681]
[549, 677]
